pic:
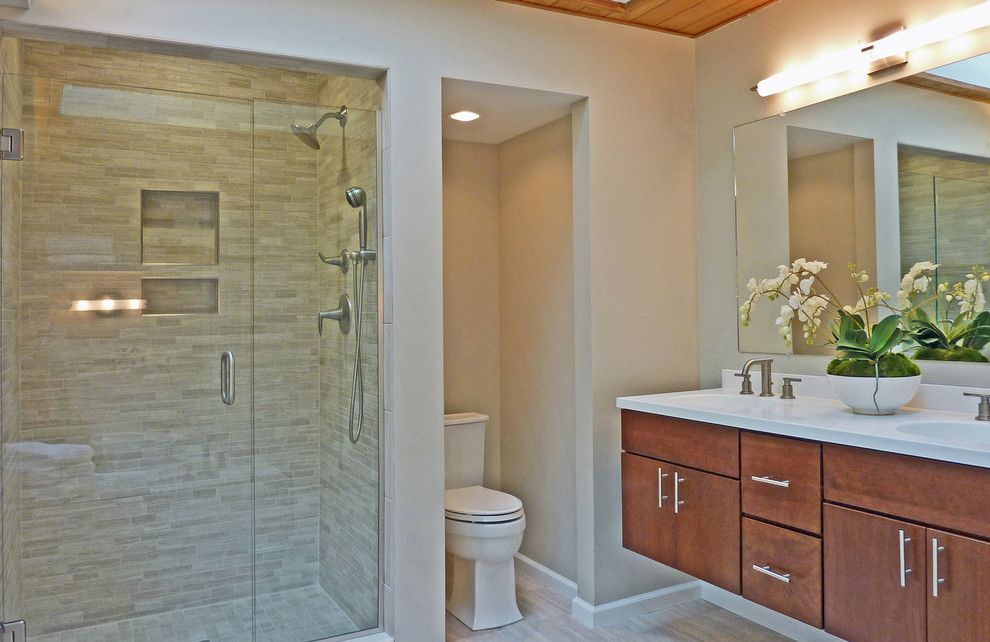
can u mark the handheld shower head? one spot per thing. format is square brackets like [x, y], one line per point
[358, 198]
[307, 133]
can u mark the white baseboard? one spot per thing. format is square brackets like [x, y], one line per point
[763, 616]
[598, 615]
[550, 577]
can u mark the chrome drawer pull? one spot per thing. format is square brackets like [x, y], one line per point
[660, 495]
[766, 570]
[678, 502]
[786, 483]
[936, 580]
[903, 541]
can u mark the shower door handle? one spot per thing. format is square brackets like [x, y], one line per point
[228, 387]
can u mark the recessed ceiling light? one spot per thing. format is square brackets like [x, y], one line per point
[465, 116]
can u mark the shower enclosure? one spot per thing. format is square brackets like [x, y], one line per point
[164, 214]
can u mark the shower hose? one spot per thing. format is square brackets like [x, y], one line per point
[357, 381]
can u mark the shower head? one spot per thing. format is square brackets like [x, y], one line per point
[307, 133]
[358, 198]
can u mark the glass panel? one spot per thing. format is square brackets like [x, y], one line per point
[317, 492]
[128, 488]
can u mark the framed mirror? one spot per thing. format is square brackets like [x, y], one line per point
[882, 178]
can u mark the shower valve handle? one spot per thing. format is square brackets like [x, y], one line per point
[341, 314]
[340, 261]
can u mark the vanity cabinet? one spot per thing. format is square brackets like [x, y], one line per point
[865, 544]
[891, 580]
[676, 514]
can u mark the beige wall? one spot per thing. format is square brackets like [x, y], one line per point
[729, 62]
[537, 338]
[471, 355]
[831, 221]
[509, 304]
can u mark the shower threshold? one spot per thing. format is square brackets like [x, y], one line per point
[294, 615]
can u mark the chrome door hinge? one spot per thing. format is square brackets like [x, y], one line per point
[15, 631]
[11, 148]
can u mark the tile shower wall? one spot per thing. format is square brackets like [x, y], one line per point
[349, 473]
[137, 491]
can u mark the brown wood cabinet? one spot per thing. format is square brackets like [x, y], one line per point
[647, 524]
[864, 596]
[782, 570]
[782, 480]
[960, 569]
[707, 527]
[894, 552]
[694, 528]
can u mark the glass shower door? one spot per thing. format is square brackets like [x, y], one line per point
[128, 496]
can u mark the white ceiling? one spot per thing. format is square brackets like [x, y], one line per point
[505, 111]
[974, 71]
[803, 142]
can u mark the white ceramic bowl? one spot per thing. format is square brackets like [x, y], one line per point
[858, 393]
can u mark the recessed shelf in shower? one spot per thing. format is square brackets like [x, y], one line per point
[180, 227]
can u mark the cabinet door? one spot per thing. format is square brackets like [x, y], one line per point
[647, 507]
[959, 587]
[707, 522]
[874, 585]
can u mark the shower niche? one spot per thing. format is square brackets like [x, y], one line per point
[180, 227]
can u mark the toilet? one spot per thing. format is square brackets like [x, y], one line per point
[484, 529]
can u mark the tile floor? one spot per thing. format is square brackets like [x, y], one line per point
[296, 615]
[547, 618]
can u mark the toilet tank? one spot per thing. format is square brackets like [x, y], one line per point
[464, 449]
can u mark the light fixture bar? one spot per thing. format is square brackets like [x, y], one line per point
[107, 305]
[880, 54]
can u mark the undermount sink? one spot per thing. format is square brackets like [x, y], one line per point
[975, 433]
[719, 402]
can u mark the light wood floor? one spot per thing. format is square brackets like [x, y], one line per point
[546, 612]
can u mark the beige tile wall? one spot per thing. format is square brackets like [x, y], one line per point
[139, 498]
[349, 473]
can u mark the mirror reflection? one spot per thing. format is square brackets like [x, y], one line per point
[883, 179]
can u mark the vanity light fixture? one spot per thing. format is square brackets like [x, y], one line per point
[887, 52]
[107, 304]
[465, 116]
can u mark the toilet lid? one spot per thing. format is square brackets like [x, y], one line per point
[480, 502]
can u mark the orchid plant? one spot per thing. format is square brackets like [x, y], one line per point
[947, 337]
[866, 333]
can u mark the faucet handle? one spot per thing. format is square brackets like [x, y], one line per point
[787, 390]
[747, 383]
[984, 414]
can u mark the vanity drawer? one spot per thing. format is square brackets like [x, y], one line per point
[782, 480]
[689, 443]
[795, 559]
[950, 496]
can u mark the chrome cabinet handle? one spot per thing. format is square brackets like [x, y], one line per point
[765, 479]
[228, 387]
[766, 570]
[660, 495]
[678, 480]
[936, 580]
[902, 552]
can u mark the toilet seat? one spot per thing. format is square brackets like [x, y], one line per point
[480, 505]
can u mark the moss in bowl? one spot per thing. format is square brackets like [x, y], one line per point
[891, 365]
[951, 354]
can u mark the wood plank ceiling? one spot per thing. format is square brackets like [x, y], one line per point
[683, 17]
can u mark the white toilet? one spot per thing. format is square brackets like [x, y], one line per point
[484, 530]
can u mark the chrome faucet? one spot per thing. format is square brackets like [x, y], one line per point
[766, 380]
[984, 414]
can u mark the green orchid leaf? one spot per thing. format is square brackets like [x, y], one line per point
[886, 335]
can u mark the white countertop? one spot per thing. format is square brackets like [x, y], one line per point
[935, 434]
